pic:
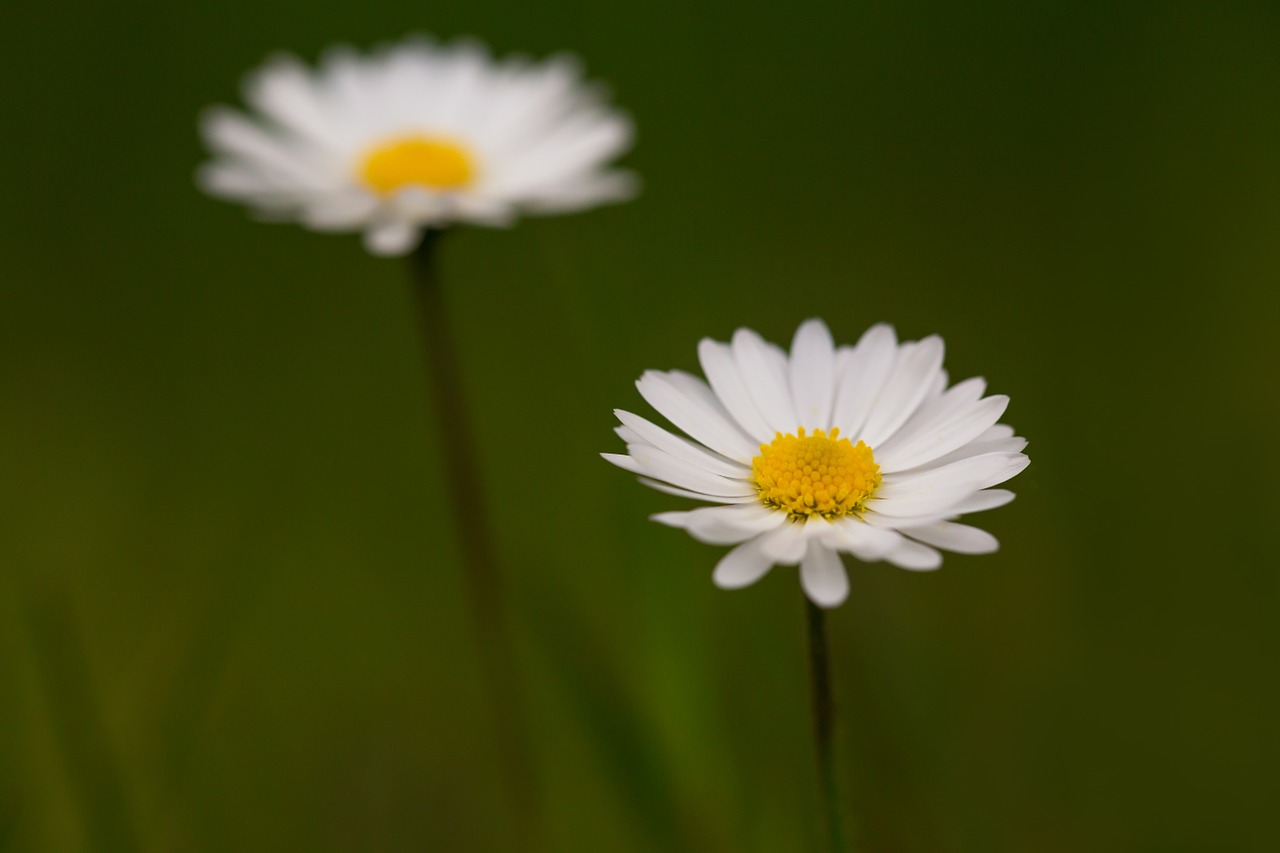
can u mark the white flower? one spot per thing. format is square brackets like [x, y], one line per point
[413, 136]
[859, 450]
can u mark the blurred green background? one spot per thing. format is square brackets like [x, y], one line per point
[230, 610]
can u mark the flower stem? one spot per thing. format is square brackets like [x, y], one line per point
[77, 717]
[482, 579]
[823, 722]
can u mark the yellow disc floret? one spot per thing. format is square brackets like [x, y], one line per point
[816, 474]
[422, 161]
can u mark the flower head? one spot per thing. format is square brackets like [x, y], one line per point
[413, 136]
[860, 450]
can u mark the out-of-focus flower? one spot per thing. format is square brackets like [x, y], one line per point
[416, 135]
[859, 450]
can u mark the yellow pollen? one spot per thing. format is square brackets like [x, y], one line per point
[423, 161]
[818, 474]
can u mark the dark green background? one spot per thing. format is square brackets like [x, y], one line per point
[231, 616]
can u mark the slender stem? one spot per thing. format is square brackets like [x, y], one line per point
[76, 714]
[823, 722]
[482, 579]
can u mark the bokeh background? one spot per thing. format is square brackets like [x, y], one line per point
[231, 616]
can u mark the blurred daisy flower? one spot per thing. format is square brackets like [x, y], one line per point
[414, 136]
[860, 450]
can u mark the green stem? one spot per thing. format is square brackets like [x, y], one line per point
[823, 722]
[482, 579]
[77, 716]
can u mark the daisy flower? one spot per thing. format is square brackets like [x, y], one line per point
[860, 450]
[414, 136]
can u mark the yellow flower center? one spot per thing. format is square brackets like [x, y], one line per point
[424, 161]
[815, 474]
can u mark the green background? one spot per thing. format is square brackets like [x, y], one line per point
[231, 615]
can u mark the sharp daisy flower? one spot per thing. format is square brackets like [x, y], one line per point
[860, 450]
[416, 135]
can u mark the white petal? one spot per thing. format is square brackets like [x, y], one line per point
[936, 408]
[722, 372]
[946, 511]
[528, 99]
[861, 372]
[570, 195]
[1017, 464]
[940, 435]
[942, 492]
[951, 536]
[392, 238]
[420, 206]
[578, 144]
[785, 544]
[681, 448]
[688, 493]
[946, 497]
[937, 503]
[935, 390]
[724, 525]
[974, 502]
[623, 461]
[813, 363]
[912, 376]
[823, 576]
[977, 472]
[978, 447]
[914, 556]
[495, 213]
[864, 541]
[284, 161]
[461, 82]
[691, 413]
[753, 516]
[285, 91]
[340, 211]
[880, 521]
[240, 181]
[662, 466]
[742, 566]
[984, 500]
[763, 368]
